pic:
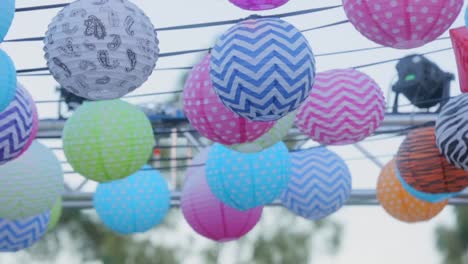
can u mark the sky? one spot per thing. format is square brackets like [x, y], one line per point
[371, 236]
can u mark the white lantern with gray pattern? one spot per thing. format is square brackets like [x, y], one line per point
[101, 49]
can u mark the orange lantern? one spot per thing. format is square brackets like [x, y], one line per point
[401, 204]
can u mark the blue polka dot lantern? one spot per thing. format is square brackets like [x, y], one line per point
[245, 181]
[320, 184]
[7, 13]
[7, 79]
[134, 204]
[22, 233]
[262, 69]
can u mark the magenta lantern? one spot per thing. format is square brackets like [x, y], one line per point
[258, 5]
[207, 215]
[210, 117]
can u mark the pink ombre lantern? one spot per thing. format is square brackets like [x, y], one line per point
[257, 5]
[344, 107]
[35, 124]
[207, 215]
[402, 24]
[210, 117]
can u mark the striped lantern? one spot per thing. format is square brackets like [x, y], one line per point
[18, 126]
[345, 107]
[7, 79]
[258, 5]
[262, 69]
[399, 203]
[320, 184]
[245, 181]
[459, 38]
[35, 125]
[451, 131]
[402, 24]
[273, 136]
[210, 117]
[424, 172]
[22, 233]
[206, 214]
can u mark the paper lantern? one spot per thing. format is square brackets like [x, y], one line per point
[101, 49]
[399, 203]
[107, 140]
[274, 135]
[17, 126]
[55, 214]
[424, 169]
[402, 24]
[30, 184]
[7, 79]
[345, 107]
[134, 204]
[245, 181]
[210, 117]
[206, 214]
[451, 132]
[258, 5]
[22, 233]
[320, 184]
[459, 38]
[35, 122]
[7, 12]
[262, 69]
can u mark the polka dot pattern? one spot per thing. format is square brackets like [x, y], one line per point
[402, 24]
[256, 5]
[401, 204]
[245, 181]
[107, 140]
[134, 204]
[210, 117]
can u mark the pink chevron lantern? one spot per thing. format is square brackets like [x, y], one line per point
[344, 107]
[206, 214]
[402, 24]
[210, 117]
[258, 5]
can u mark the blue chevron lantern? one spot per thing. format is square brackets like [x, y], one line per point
[262, 69]
[320, 184]
[20, 234]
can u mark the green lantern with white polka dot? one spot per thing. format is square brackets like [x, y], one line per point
[107, 140]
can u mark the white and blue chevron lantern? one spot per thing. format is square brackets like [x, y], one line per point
[262, 69]
[22, 233]
[320, 184]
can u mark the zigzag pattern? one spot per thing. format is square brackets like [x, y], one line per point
[262, 69]
[16, 125]
[20, 234]
[320, 184]
[344, 107]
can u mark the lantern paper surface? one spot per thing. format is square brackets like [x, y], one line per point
[17, 126]
[7, 13]
[55, 214]
[206, 214]
[459, 38]
[134, 204]
[451, 132]
[35, 123]
[22, 233]
[320, 184]
[101, 49]
[30, 184]
[107, 140]
[402, 24]
[422, 167]
[7, 79]
[210, 117]
[245, 181]
[399, 203]
[344, 107]
[273, 136]
[258, 5]
[262, 69]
